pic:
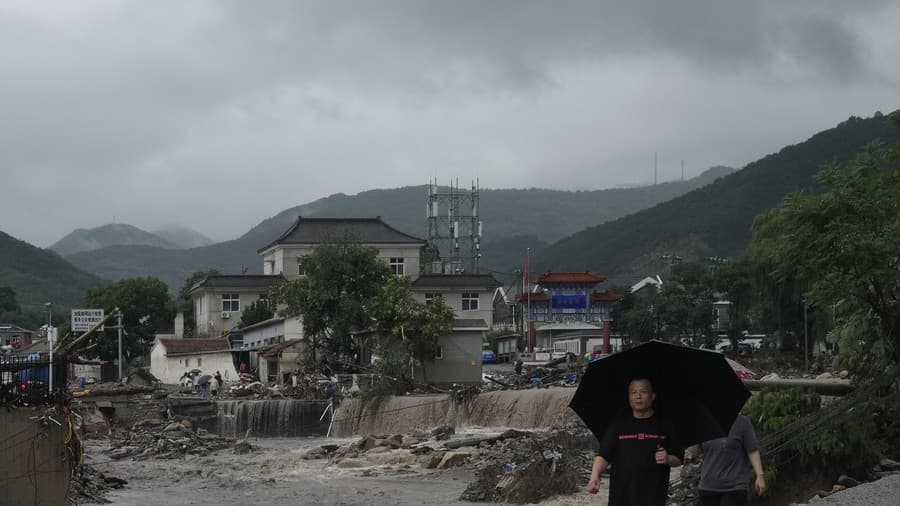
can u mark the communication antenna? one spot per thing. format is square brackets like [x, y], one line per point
[453, 227]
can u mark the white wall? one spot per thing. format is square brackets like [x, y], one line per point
[170, 369]
[209, 317]
[453, 298]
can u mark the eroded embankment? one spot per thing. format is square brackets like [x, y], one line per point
[519, 409]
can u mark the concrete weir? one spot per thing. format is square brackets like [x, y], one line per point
[520, 409]
[272, 418]
[35, 467]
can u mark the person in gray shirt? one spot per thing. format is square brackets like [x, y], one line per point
[725, 474]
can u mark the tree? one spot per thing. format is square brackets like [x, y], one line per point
[185, 302]
[147, 309]
[257, 311]
[844, 241]
[637, 315]
[404, 331]
[686, 302]
[341, 279]
[734, 279]
[8, 300]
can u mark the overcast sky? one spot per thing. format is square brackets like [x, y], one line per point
[216, 115]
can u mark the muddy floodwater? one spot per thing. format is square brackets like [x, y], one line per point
[276, 473]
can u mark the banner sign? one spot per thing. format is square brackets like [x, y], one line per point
[85, 319]
[569, 302]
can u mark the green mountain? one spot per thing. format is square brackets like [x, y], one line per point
[714, 220]
[38, 276]
[547, 215]
[113, 234]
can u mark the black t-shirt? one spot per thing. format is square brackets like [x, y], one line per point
[630, 446]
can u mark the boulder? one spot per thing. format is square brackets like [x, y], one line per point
[407, 441]
[825, 376]
[186, 423]
[367, 443]
[242, 447]
[380, 449]
[847, 481]
[452, 459]
[434, 460]
[443, 432]
[889, 465]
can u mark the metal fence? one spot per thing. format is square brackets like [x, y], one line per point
[25, 380]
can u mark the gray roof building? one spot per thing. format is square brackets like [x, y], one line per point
[456, 281]
[250, 281]
[363, 230]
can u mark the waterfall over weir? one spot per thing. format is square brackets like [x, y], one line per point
[272, 418]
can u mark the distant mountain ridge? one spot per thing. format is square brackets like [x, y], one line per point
[546, 215]
[714, 220]
[122, 234]
[39, 276]
[183, 237]
[112, 234]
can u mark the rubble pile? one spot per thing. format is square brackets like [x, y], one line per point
[90, 486]
[532, 467]
[167, 441]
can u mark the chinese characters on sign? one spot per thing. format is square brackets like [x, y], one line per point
[85, 319]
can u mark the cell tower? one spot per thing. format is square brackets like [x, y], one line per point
[454, 228]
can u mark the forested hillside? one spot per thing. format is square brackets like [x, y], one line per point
[714, 220]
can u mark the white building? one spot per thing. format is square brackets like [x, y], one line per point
[283, 255]
[171, 358]
[220, 299]
[471, 296]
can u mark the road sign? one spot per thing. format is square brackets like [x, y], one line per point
[85, 319]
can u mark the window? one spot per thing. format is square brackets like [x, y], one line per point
[187, 362]
[264, 299]
[439, 354]
[397, 265]
[301, 271]
[429, 297]
[469, 301]
[199, 362]
[231, 302]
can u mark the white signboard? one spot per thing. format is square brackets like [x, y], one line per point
[85, 319]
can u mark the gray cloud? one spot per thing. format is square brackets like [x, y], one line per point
[149, 114]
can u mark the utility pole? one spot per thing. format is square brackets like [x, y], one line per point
[50, 342]
[119, 328]
[528, 298]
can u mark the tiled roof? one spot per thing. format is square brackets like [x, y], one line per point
[456, 280]
[363, 230]
[606, 296]
[571, 277]
[469, 323]
[188, 346]
[534, 297]
[249, 281]
[275, 349]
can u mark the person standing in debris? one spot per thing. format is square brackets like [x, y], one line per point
[214, 386]
[726, 466]
[218, 377]
[518, 366]
[641, 446]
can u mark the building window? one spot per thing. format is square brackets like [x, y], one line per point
[429, 297]
[187, 362]
[264, 299]
[396, 264]
[199, 362]
[231, 302]
[301, 271]
[439, 354]
[469, 301]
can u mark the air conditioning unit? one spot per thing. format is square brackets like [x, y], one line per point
[226, 315]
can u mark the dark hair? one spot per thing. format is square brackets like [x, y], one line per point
[642, 378]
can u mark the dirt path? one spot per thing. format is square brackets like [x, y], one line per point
[277, 474]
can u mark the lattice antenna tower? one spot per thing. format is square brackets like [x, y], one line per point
[454, 227]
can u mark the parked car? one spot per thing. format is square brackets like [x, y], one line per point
[488, 357]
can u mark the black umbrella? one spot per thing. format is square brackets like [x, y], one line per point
[696, 389]
[202, 380]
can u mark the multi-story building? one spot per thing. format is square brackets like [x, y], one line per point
[285, 254]
[219, 300]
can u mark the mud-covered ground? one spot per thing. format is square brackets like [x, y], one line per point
[276, 473]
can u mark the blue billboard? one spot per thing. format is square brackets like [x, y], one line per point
[569, 301]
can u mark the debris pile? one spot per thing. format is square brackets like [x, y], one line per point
[167, 441]
[90, 486]
[532, 467]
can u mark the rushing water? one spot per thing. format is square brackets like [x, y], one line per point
[273, 418]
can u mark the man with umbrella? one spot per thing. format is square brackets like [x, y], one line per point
[642, 447]
[645, 405]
